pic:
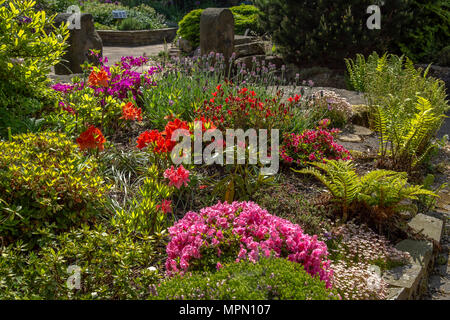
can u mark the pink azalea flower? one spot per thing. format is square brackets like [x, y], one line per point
[177, 176]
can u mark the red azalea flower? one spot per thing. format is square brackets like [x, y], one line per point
[147, 137]
[91, 138]
[174, 125]
[130, 112]
[99, 79]
[165, 206]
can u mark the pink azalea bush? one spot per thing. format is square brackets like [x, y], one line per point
[239, 231]
[313, 145]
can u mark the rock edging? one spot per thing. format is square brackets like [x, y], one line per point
[409, 282]
[137, 37]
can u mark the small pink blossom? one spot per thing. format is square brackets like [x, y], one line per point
[177, 176]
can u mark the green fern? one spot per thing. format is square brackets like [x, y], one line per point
[382, 191]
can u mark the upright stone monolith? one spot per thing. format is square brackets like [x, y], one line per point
[217, 32]
[80, 41]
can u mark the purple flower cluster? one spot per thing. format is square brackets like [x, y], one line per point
[242, 230]
[63, 87]
[125, 81]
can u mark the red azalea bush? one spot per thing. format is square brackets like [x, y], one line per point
[226, 232]
[313, 145]
[161, 142]
[244, 110]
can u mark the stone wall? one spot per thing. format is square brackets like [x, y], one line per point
[137, 37]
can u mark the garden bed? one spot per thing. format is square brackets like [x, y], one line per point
[329, 194]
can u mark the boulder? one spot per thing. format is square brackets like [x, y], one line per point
[217, 32]
[80, 41]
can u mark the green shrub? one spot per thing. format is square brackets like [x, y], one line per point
[45, 180]
[112, 266]
[26, 57]
[245, 17]
[324, 32]
[129, 24]
[269, 279]
[189, 27]
[430, 33]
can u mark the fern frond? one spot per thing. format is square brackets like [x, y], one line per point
[380, 126]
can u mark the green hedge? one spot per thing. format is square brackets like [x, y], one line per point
[245, 17]
[269, 279]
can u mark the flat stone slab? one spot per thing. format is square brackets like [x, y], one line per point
[407, 277]
[397, 294]
[239, 39]
[428, 226]
[420, 251]
[350, 138]
[249, 49]
[362, 131]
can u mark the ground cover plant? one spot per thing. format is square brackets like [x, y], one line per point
[94, 203]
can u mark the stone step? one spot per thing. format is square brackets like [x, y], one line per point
[173, 52]
[409, 281]
[238, 39]
[428, 226]
[249, 49]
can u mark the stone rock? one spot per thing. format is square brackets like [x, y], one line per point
[249, 49]
[217, 32]
[362, 131]
[428, 226]
[407, 277]
[349, 138]
[185, 45]
[238, 39]
[80, 42]
[420, 251]
[396, 294]
[360, 115]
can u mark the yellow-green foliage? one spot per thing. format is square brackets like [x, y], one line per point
[44, 179]
[407, 143]
[145, 216]
[27, 52]
[378, 194]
